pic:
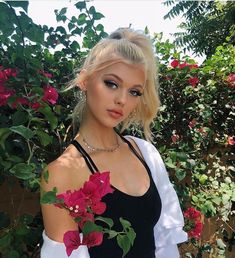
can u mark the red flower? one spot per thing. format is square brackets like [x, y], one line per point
[192, 123]
[231, 80]
[175, 63]
[193, 66]
[10, 72]
[193, 225]
[193, 81]
[101, 180]
[72, 241]
[4, 95]
[22, 101]
[48, 75]
[183, 65]
[192, 213]
[50, 94]
[93, 239]
[35, 105]
[231, 140]
[175, 138]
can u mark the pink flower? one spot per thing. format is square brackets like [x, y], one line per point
[10, 72]
[48, 75]
[175, 63]
[102, 181]
[72, 241]
[231, 140]
[196, 231]
[231, 80]
[192, 123]
[183, 65]
[192, 213]
[193, 81]
[3, 77]
[50, 94]
[193, 66]
[22, 101]
[4, 95]
[93, 239]
[35, 105]
[175, 138]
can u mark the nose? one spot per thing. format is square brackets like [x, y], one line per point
[121, 98]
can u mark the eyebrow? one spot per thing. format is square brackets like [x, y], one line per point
[118, 78]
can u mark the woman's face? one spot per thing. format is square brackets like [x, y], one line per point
[113, 93]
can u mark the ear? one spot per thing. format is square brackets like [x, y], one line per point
[82, 79]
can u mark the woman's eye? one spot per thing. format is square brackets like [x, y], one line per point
[135, 93]
[110, 84]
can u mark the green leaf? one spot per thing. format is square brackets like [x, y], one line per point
[81, 5]
[131, 235]
[89, 227]
[98, 16]
[20, 117]
[44, 138]
[124, 243]
[108, 221]
[46, 175]
[22, 4]
[4, 220]
[4, 133]
[49, 115]
[112, 234]
[12, 254]
[23, 131]
[23, 171]
[5, 240]
[49, 197]
[180, 174]
[125, 223]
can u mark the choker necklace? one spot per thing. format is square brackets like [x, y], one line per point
[94, 149]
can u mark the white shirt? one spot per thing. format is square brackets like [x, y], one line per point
[168, 232]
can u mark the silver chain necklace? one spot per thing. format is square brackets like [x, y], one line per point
[94, 149]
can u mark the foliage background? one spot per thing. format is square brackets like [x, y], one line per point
[194, 130]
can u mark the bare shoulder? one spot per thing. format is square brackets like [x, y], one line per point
[66, 172]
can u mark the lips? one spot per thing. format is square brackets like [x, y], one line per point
[115, 113]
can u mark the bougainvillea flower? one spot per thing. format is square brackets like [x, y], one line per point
[197, 230]
[83, 218]
[175, 63]
[48, 75]
[50, 94]
[4, 95]
[192, 213]
[102, 181]
[35, 105]
[72, 241]
[231, 140]
[193, 81]
[73, 201]
[231, 80]
[183, 65]
[192, 123]
[19, 101]
[10, 72]
[93, 239]
[175, 138]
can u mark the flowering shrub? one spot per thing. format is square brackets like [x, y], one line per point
[83, 206]
[193, 222]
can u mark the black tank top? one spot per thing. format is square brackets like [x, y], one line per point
[142, 211]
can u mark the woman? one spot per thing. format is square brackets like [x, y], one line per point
[119, 86]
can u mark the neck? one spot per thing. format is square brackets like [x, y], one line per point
[98, 137]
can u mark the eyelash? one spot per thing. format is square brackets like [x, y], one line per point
[134, 93]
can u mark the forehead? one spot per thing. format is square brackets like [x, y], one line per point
[128, 73]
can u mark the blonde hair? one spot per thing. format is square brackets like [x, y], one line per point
[132, 47]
